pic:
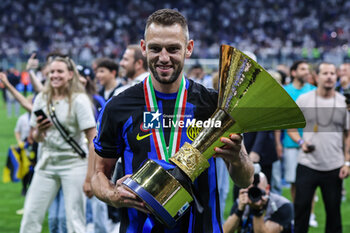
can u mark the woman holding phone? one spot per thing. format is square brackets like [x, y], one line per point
[60, 164]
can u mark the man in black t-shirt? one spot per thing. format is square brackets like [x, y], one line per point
[125, 129]
[257, 209]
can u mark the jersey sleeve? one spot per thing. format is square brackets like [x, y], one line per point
[108, 142]
[283, 216]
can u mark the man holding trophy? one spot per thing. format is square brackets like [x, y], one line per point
[168, 131]
[122, 131]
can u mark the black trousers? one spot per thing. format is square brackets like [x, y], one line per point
[307, 180]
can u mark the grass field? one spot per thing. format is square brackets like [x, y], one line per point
[11, 199]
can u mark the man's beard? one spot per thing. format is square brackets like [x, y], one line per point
[301, 80]
[172, 79]
[130, 73]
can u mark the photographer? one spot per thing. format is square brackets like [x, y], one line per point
[258, 210]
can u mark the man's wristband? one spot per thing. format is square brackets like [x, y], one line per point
[300, 142]
[239, 213]
[257, 212]
[347, 163]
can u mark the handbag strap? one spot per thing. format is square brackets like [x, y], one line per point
[64, 133]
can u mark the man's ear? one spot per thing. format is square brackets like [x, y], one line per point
[115, 73]
[138, 64]
[268, 187]
[189, 48]
[143, 47]
[292, 73]
[316, 78]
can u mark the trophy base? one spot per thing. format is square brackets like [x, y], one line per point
[164, 196]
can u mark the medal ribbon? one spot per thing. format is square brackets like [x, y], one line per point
[179, 111]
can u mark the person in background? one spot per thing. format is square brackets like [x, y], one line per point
[24, 141]
[99, 211]
[344, 78]
[299, 72]
[324, 157]
[197, 74]
[59, 164]
[259, 210]
[134, 65]
[106, 74]
[11, 101]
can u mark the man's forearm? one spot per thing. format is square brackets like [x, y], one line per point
[242, 171]
[259, 224]
[231, 224]
[102, 187]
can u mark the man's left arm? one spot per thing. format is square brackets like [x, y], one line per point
[235, 155]
[260, 226]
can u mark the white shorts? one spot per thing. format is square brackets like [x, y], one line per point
[290, 162]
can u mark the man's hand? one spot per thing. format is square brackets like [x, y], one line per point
[305, 147]
[344, 172]
[230, 151]
[243, 199]
[279, 150]
[239, 165]
[87, 189]
[123, 197]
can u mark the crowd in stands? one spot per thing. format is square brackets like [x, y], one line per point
[89, 29]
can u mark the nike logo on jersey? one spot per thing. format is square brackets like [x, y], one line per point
[139, 138]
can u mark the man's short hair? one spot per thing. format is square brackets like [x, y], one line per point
[109, 64]
[138, 55]
[296, 65]
[168, 17]
[323, 63]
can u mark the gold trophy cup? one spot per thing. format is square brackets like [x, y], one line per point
[249, 100]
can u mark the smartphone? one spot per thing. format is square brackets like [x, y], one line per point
[310, 148]
[40, 112]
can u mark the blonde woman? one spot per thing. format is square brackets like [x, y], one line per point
[59, 165]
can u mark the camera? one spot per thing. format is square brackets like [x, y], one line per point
[255, 193]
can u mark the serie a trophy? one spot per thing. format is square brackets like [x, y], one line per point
[249, 100]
